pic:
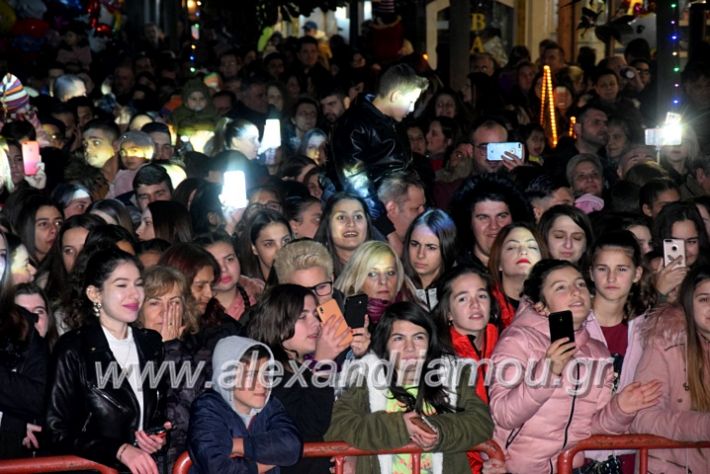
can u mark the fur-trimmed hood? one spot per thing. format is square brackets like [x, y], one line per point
[665, 326]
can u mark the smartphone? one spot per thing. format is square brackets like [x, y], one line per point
[495, 151]
[272, 135]
[331, 309]
[664, 136]
[156, 430]
[561, 326]
[672, 249]
[355, 310]
[234, 190]
[424, 424]
[30, 157]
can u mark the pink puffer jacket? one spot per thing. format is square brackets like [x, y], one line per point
[664, 337]
[533, 424]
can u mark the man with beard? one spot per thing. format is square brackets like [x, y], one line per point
[592, 134]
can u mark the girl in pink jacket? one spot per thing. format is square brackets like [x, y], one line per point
[676, 342]
[546, 396]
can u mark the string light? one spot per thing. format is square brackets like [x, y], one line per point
[194, 14]
[548, 102]
[675, 45]
[572, 122]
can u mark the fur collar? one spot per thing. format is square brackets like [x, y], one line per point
[665, 326]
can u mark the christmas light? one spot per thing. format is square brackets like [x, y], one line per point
[548, 102]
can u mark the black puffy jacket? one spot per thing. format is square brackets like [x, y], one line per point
[93, 422]
[367, 146]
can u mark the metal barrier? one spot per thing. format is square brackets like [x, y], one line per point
[340, 450]
[640, 442]
[52, 464]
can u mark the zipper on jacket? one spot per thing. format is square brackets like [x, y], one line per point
[108, 398]
[571, 412]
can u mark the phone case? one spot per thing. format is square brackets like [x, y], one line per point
[672, 249]
[30, 157]
[422, 423]
[329, 310]
[561, 326]
[355, 310]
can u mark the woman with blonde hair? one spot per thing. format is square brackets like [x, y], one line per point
[166, 308]
[375, 270]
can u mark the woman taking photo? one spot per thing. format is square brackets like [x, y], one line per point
[567, 233]
[285, 319]
[514, 252]
[430, 251]
[535, 423]
[375, 270]
[344, 227]
[682, 221]
[386, 412]
[676, 351]
[85, 416]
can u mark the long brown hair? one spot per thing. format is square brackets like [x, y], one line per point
[496, 249]
[696, 360]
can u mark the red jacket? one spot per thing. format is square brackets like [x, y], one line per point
[465, 350]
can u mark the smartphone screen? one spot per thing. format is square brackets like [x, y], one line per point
[561, 326]
[30, 157]
[496, 151]
[234, 190]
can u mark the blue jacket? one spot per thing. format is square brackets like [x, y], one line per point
[271, 437]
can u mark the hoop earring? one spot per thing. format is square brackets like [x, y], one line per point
[97, 309]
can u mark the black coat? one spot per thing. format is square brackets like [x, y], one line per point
[92, 421]
[23, 377]
[367, 146]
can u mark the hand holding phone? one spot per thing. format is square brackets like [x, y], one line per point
[673, 249]
[30, 157]
[355, 310]
[234, 190]
[423, 424]
[561, 326]
[496, 151]
[331, 311]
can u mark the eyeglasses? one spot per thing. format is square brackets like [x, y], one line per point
[322, 289]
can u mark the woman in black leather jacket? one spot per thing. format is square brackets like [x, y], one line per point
[95, 412]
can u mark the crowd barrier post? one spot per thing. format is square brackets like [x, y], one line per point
[641, 442]
[340, 450]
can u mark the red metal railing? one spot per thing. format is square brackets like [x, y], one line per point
[339, 451]
[52, 464]
[640, 442]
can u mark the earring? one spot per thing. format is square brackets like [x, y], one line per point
[97, 309]
[451, 322]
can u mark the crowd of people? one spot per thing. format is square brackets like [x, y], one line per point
[122, 254]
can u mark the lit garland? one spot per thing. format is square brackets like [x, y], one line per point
[570, 131]
[193, 14]
[675, 45]
[548, 98]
